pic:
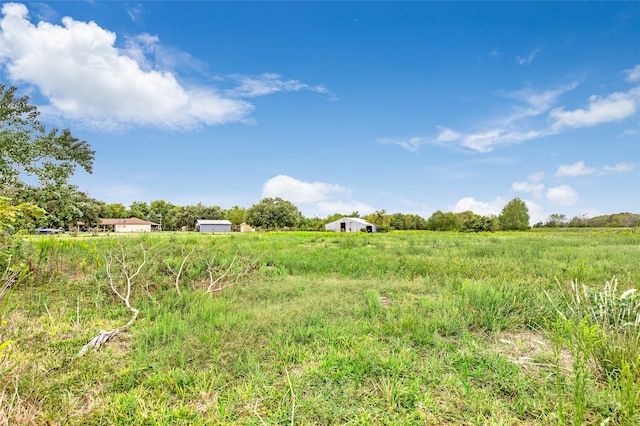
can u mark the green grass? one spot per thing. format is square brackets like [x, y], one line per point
[398, 328]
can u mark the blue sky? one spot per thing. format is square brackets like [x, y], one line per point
[409, 107]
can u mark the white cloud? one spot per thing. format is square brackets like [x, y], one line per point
[622, 167]
[298, 191]
[576, 169]
[78, 67]
[85, 77]
[614, 107]
[536, 213]
[630, 132]
[524, 60]
[563, 195]
[480, 207]
[535, 188]
[317, 198]
[633, 74]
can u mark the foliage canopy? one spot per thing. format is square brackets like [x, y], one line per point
[27, 148]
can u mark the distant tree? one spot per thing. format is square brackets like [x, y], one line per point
[478, 223]
[273, 213]
[235, 215]
[159, 211]
[465, 216]
[515, 216]
[311, 224]
[556, 219]
[335, 217]
[415, 222]
[440, 221]
[381, 219]
[114, 211]
[397, 222]
[139, 209]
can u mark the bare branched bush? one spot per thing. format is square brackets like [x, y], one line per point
[121, 272]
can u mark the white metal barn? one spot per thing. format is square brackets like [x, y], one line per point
[132, 224]
[350, 224]
[205, 225]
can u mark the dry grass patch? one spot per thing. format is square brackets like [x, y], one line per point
[530, 350]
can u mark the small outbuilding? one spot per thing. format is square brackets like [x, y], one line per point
[206, 225]
[132, 224]
[350, 224]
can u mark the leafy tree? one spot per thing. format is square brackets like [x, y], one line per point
[396, 221]
[28, 149]
[440, 221]
[312, 224]
[479, 223]
[273, 213]
[381, 219]
[159, 211]
[556, 220]
[515, 216]
[235, 215]
[139, 209]
[16, 217]
[65, 206]
[114, 211]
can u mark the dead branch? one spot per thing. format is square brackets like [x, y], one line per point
[179, 272]
[124, 294]
[227, 278]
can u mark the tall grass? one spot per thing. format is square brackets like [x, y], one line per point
[397, 328]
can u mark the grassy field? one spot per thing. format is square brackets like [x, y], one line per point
[321, 328]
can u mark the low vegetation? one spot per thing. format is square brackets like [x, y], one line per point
[318, 328]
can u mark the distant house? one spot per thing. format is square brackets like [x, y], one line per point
[350, 224]
[132, 224]
[205, 225]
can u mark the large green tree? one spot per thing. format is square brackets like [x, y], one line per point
[273, 213]
[27, 148]
[515, 216]
[441, 221]
[235, 215]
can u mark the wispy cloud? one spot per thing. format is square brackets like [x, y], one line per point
[410, 144]
[533, 116]
[580, 169]
[269, 83]
[536, 177]
[622, 167]
[633, 74]
[576, 169]
[524, 60]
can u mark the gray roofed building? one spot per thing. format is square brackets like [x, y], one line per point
[209, 225]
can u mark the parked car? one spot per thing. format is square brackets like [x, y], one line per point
[43, 230]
